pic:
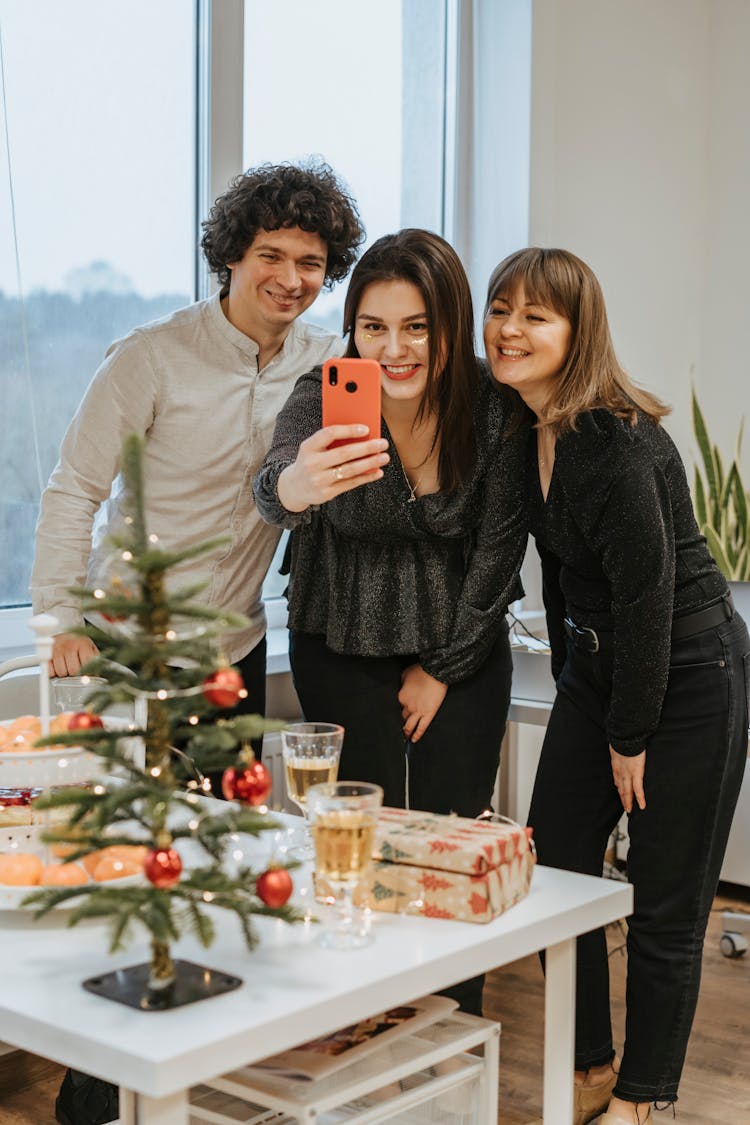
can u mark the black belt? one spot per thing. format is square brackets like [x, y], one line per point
[684, 626]
[701, 619]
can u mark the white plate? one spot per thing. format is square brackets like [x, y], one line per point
[32, 769]
[70, 765]
[12, 897]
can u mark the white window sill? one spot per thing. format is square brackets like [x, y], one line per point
[16, 638]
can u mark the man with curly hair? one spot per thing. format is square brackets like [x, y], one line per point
[204, 386]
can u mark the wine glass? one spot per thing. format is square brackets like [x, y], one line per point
[343, 816]
[311, 754]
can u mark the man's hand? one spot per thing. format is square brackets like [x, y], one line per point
[69, 653]
[318, 473]
[421, 697]
[628, 774]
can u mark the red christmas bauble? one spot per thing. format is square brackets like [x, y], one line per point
[274, 886]
[223, 687]
[250, 784]
[84, 720]
[163, 867]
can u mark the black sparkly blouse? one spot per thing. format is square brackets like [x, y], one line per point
[379, 575]
[620, 551]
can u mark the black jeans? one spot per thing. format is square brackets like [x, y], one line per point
[453, 766]
[694, 767]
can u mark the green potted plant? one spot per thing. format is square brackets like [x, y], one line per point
[722, 504]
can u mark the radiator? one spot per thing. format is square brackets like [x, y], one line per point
[274, 762]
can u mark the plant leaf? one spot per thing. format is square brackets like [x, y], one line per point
[716, 548]
[704, 445]
[699, 499]
[719, 483]
[740, 503]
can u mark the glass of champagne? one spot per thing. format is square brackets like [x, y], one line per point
[311, 756]
[343, 816]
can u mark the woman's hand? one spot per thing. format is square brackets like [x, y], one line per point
[319, 474]
[628, 774]
[69, 653]
[420, 697]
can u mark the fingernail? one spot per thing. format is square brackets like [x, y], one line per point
[362, 429]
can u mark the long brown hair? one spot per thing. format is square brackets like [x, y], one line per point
[591, 376]
[427, 261]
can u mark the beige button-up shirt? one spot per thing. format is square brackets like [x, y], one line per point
[190, 384]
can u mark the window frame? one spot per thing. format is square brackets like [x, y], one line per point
[217, 43]
[218, 114]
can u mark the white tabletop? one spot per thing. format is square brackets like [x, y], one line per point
[293, 990]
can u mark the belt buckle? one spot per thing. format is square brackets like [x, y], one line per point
[584, 631]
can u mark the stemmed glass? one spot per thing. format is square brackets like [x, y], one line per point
[311, 756]
[343, 816]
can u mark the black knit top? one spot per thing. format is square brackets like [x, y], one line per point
[379, 575]
[621, 550]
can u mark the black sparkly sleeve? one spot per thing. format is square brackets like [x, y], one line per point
[554, 605]
[300, 417]
[492, 575]
[634, 536]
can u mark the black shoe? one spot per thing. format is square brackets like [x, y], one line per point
[84, 1100]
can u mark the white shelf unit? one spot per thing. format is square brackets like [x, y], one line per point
[444, 1074]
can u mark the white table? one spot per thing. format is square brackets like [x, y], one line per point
[293, 990]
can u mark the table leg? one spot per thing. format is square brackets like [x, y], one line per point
[559, 1032]
[137, 1109]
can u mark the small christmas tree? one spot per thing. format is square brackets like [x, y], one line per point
[159, 651]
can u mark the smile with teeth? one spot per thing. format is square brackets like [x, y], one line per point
[399, 371]
[513, 353]
[282, 298]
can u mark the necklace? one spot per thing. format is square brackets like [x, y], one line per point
[412, 487]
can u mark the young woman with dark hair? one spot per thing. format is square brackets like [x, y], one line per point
[406, 548]
[651, 664]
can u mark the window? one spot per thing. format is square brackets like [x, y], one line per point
[364, 88]
[97, 226]
[98, 216]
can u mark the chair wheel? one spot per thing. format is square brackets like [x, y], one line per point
[733, 945]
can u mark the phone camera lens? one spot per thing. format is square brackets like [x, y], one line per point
[333, 376]
[351, 387]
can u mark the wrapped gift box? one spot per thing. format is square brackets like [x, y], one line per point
[448, 866]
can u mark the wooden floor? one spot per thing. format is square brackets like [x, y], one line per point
[715, 1088]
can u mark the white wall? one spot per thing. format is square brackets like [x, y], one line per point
[640, 163]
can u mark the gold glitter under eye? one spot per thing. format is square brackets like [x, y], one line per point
[419, 340]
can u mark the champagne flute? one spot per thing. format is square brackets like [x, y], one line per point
[343, 816]
[311, 754]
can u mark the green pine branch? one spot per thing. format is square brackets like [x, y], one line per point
[148, 651]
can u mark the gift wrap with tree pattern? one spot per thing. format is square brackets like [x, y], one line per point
[449, 866]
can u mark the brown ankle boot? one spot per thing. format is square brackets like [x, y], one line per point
[591, 1101]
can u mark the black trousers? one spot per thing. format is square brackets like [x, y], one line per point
[694, 767]
[453, 766]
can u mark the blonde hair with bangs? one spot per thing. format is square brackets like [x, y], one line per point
[591, 377]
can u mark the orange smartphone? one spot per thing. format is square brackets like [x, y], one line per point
[351, 395]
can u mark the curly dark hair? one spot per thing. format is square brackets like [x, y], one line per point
[271, 196]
